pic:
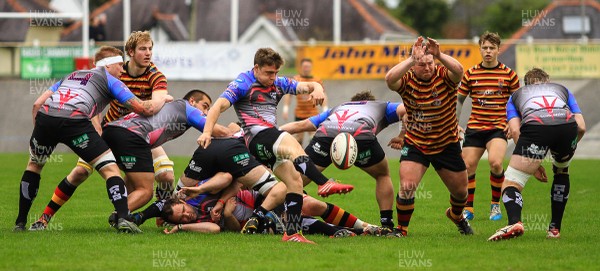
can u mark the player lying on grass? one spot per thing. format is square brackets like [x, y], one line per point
[363, 118]
[231, 156]
[62, 115]
[542, 117]
[132, 137]
[236, 210]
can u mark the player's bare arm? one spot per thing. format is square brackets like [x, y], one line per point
[39, 102]
[298, 126]
[147, 108]
[455, 69]
[215, 111]
[580, 126]
[514, 128]
[393, 78]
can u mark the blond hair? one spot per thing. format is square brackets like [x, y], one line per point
[135, 38]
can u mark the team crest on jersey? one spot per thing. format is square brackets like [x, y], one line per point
[317, 149]
[404, 151]
[128, 161]
[192, 166]
[363, 157]
[81, 142]
[242, 159]
[263, 153]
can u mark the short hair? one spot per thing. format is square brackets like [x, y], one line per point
[107, 51]
[135, 38]
[363, 96]
[305, 60]
[196, 95]
[167, 210]
[493, 38]
[536, 76]
[268, 57]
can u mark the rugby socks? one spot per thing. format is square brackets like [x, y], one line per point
[62, 194]
[496, 183]
[293, 206]
[559, 196]
[319, 227]
[118, 195]
[30, 182]
[404, 211]
[457, 207]
[513, 203]
[154, 210]
[304, 165]
[339, 217]
[386, 218]
[471, 195]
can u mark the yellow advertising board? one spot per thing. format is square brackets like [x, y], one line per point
[560, 60]
[373, 61]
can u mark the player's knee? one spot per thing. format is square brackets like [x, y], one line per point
[495, 166]
[515, 177]
[163, 169]
[561, 168]
[78, 175]
[264, 183]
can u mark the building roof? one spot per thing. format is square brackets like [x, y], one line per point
[548, 24]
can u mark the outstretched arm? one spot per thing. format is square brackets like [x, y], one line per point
[393, 78]
[298, 126]
[211, 119]
[147, 108]
[39, 102]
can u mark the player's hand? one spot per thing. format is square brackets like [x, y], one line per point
[433, 47]
[168, 98]
[204, 140]
[396, 142]
[215, 212]
[317, 96]
[461, 133]
[189, 192]
[230, 206]
[540, 174]
[418, 50]
[507, 132]
[172, 230]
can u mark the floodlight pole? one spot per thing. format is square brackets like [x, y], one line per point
[126, 20]
[85, 31]
[235, 7]
[337, 21]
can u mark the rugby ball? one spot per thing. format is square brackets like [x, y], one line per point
[343, 151]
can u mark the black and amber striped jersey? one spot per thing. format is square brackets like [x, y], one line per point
[431, 110]
[489, 89]
[142, 86]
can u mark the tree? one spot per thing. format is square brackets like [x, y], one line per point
[425, 16]
[506, 16]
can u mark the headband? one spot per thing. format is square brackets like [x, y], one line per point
[109, 60]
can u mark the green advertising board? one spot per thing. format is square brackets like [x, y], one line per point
[49, 62]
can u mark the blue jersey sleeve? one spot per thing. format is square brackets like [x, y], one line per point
[511, 110]
[195, 117]
[390, 112]
[118, 90]
[238, 88]
[317, 119]
[572, 102]
[54, 87]
[287, 85]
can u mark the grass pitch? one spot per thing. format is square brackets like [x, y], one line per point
[79, 237]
